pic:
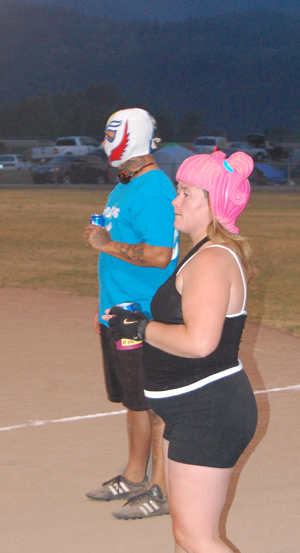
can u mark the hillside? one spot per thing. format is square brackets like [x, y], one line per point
[240, 73]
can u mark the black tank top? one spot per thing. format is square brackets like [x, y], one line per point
[164, 371]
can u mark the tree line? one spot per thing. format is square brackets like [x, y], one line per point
[85, 113]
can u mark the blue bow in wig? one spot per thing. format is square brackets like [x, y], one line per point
[227, 166]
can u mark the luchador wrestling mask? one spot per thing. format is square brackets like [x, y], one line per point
[131, 135]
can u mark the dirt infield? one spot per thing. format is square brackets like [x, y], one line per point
[59, 438]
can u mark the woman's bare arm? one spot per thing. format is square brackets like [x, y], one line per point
[206, 283]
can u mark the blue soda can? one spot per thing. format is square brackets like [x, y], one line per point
[97, 220]
[128, 306]
[125, 343]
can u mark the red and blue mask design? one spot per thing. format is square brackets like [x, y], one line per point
[132, 133]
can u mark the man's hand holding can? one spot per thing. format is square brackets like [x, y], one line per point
[95, 234]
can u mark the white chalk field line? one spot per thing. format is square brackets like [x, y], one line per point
[122, 412]
[285, 389]
[66, 419]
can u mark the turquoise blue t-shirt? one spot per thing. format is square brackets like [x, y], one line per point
[140, 211]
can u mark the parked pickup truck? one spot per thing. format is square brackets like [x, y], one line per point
[76, 145]
[258, 154]
[209, 144]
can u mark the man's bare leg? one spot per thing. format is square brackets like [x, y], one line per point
[157, 429]
[139, 443]
[139, 439]
[140, 505]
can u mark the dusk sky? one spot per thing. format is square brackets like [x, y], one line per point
[238, 71]
[170, 9]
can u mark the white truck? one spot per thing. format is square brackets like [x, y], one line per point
[257, 154]
[209, 144]
[67, 145]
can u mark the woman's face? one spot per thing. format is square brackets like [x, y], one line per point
[192, 214]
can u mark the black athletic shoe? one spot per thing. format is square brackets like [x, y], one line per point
[151, 503]
[118, 488]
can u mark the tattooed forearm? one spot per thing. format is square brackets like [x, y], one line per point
[140, 254]
[131, 252]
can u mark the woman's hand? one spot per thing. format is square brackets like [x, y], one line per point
[97, 237]
[124, 324]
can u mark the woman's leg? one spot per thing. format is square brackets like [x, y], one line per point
[157, 430]
[166, 460]
[196, 498]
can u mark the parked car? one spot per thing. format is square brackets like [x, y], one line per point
[209, 144]
[75, 145]
[275, 150]
[258, 154]
[13, 161]
[88, 169]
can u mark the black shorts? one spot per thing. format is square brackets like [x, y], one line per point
[124, 374]
[210, 426]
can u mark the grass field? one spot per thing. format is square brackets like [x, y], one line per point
[42, 247]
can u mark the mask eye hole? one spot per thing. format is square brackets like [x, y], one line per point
[110, 135]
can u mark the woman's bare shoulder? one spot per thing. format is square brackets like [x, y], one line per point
[212, 252]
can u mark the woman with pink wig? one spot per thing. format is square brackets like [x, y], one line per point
[194, 378]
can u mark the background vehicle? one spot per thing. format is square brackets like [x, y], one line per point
[258, 154]
[12, 161]
[275, 150]
[67, 145]
[209, 144]
[88, 169]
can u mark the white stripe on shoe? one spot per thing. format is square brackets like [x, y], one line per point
[118, 489]
[148, 508]
[154, 505]
[124, 487]
[113, 490]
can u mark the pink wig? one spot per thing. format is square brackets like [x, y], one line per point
[225, 180]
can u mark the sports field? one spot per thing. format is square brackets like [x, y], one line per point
[59, 435]
[42, 247]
